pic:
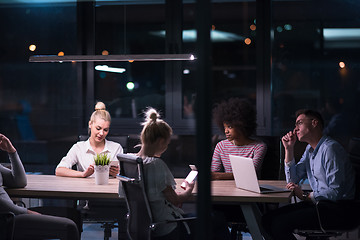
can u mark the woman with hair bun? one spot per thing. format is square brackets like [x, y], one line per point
[82, 153]
[165, 202]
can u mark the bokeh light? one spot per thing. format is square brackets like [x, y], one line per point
[130, 86]
[287, 27]
[341, 64]
[32, 47]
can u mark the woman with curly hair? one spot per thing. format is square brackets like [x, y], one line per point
[237, 118]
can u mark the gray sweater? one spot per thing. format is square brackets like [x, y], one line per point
[12, 178]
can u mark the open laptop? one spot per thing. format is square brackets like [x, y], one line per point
[246, 178]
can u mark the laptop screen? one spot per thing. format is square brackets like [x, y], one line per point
[244, 173]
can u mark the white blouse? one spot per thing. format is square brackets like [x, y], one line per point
[82, 155]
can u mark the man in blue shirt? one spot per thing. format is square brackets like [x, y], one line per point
[330, 174]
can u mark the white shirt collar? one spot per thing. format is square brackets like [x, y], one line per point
[90, 149]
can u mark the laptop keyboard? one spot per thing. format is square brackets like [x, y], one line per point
[265, 189]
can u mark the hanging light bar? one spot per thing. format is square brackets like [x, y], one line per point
[112, 58]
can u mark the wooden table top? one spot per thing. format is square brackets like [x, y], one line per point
[51, 186]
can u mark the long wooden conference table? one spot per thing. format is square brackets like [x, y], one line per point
[225, 191]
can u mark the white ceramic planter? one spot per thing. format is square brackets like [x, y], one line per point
[102, 174]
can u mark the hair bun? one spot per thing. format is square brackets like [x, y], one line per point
[151, 115]
[100, 106]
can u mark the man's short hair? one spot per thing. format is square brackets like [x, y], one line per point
[311, 114]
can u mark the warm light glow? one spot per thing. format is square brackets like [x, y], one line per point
[212, 27]
[32, 47]
[341, 64]
[247, 41]
[61, 54]
[252, 27]
[131, 61]
[105, 52]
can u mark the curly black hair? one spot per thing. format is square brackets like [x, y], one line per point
[238, 113]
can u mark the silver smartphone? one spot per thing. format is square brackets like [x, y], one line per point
[191, 176]
[114, 163]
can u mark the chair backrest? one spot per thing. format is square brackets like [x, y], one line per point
[270, 169]
[122, 140]
[133, 182]
[7, 225]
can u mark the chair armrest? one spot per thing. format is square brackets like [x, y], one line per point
[19, 203]
[318, 216]
[154, 225]
[7, 213]
[181, 219]
[175, 220]
[126, 179]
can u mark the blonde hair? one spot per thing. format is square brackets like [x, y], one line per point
[154, 128]
[100, 112]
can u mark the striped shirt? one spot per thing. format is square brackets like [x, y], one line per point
[221, 161]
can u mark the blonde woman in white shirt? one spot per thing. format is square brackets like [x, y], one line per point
[82, 153]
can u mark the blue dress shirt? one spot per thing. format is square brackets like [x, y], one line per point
[328, 170]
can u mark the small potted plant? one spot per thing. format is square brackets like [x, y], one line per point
[102, 167]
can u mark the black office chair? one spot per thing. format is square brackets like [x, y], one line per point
[140, 222]
[325, 231]
[109, 213]
[7, 225]
[344, 225]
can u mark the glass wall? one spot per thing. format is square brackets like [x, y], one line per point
[32, 99]
[38, 101]
[316, 64]
[130, 29]
[233, 38]
[171, 87]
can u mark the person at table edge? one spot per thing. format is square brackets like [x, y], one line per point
[29, 224]
[326, 165]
